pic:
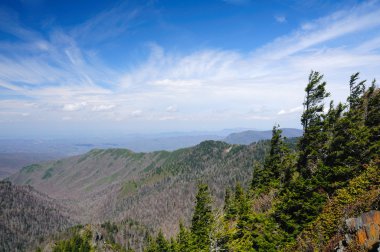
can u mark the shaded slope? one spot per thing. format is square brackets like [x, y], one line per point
[26, 216]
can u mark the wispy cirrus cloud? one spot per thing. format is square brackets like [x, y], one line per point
[62, 78]
[107, 24]
[358, 18]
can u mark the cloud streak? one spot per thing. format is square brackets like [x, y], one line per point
[216, 87]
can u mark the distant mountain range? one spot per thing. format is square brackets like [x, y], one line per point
[250, 136]
[16, 153]
[12, 162]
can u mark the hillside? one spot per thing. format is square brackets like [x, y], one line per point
[250, 136]
[155, 188]
[27, 216]
[13, 162]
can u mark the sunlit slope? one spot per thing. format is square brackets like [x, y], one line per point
[155, 188]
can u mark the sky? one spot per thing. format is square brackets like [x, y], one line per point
[95, 67]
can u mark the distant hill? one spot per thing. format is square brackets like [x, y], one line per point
[15, 154]
[250, 136]
[12, 162]
[27, 216]
[156, 189]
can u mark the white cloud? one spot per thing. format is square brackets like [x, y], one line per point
[74, 106]
[136, 113]
[103, 107]
[171, 108]
[289, 111]
[167, 118]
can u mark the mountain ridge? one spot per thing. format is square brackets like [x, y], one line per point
[250, 136]
[112, 184]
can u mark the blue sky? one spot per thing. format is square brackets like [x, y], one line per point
[85, 67]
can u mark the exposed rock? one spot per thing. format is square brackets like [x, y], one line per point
[365, 229]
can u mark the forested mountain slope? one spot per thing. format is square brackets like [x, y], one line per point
[156, 188]
[27, 216]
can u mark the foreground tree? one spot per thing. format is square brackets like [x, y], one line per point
[203, 219]
[275, 167]
[311, 142]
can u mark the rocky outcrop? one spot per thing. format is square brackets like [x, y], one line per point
[365, 230]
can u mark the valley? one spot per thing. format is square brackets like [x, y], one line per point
[155, 188]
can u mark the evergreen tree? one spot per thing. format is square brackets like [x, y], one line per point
[350, 138]
[372, 119]
[274, 169]
[76, 243]
[202, 221]
[356, 92]
[241, 200]
[173, 245]
[242, 205]
[311, 142]
[151, 244]
[230, 209]
[184, 239]
[162, 243]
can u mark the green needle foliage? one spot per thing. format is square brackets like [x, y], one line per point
[203, 219]
[77, 243]
[298, 199]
